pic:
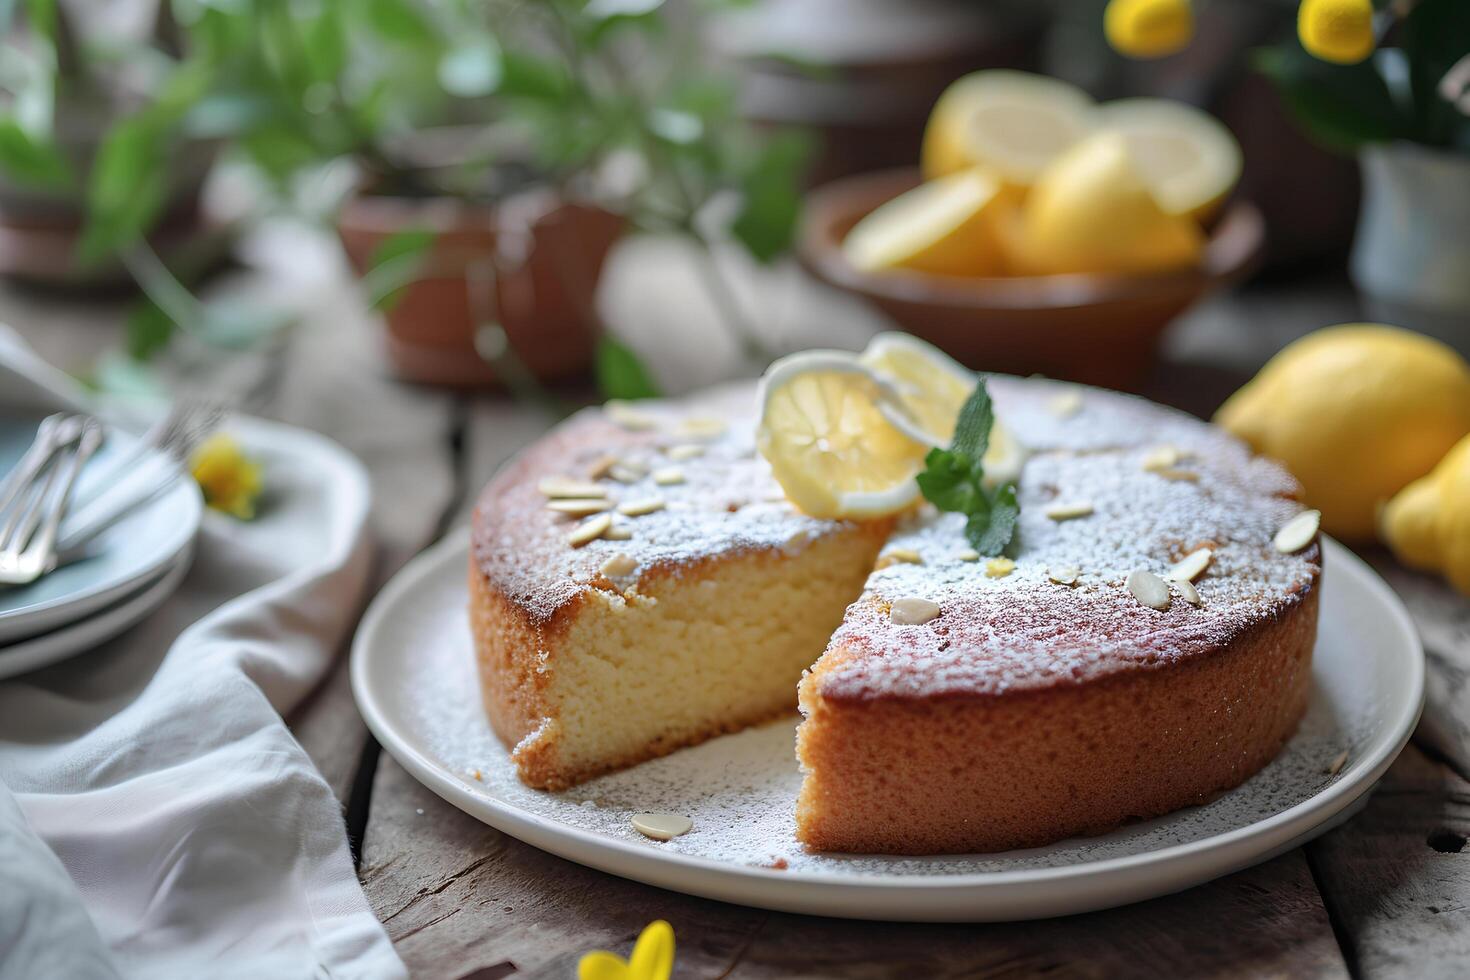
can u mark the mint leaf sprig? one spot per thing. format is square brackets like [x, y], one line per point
[952, 479]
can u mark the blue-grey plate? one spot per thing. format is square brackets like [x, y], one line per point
[122, 560]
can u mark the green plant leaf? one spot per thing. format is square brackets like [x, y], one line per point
[394, 264]
[127, 188]
[148, 331]
[972, 425]
[399, 21]
[946, 482]
[771, 197]
[324, 44]
[1435, 36]
[990, 532]
[30, 161]
[621, 373]
[1340, 106]
[532, 76]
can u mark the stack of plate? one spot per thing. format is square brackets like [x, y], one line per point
[129, 571]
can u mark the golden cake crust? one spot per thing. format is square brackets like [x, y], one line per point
[1028, 710]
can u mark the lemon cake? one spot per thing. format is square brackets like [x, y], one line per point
[640, 582]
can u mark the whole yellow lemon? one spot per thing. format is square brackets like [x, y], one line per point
[1356, 412]
[1427, 524]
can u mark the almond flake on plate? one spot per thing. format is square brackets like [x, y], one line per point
[618, 532]
[590, 530]
[683, 451]
[1187, 591]
[1188, 568]
[1171, 473]
[1149, 589]
[662, 826]
[1298, 532]
[912, 611]
[968, 555]
[1161, 458]
[668, 476]
[999, 567]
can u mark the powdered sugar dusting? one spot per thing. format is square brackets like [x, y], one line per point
[728, 501]
[740, 790]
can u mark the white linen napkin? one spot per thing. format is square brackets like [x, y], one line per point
[157, 818]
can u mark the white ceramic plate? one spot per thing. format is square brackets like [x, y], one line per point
[125, 557]
[49, 648]
[414, 678]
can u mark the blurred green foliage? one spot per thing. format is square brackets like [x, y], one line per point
[462, 98]
[1395, 95]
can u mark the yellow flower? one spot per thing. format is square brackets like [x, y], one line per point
[1148, 28]
[230, 480]
[652, 959]
[1339, 31]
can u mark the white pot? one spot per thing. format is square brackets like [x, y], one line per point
[1411, 254]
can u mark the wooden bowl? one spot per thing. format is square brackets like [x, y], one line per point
[1093, 328]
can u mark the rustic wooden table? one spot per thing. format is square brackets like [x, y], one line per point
[1386, 895]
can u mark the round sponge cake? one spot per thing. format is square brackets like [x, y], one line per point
[1043, 700]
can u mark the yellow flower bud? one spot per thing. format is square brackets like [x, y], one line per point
[229, 479]
[1148, 28]
[1339, 31]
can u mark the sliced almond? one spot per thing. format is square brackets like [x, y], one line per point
[579, 506]
[913, 611]
[999, 567]
[630, 418]
[701, 428]
[1335, 766]
[1173, 473]
[1298, 532]
[566, 487]
[618, 532]
[1188, 568]
[601, 466]
[683, 451]
[1063, 574]
[662, 826]
[1068, 511]
[1065, 405]
[618, 566]
[590, 530]
[1188, 592]
[637, 508]
[900, 556]
[1161, 458]
[1149, 589]
[668, 476]
[626, 473]
[968, 555]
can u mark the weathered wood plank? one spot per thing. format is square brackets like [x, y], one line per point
[1396, 878]
[457, 896]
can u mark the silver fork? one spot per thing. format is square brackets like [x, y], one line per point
[37, 498]
[176, 437]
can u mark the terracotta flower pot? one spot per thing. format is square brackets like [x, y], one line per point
[528, 264]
